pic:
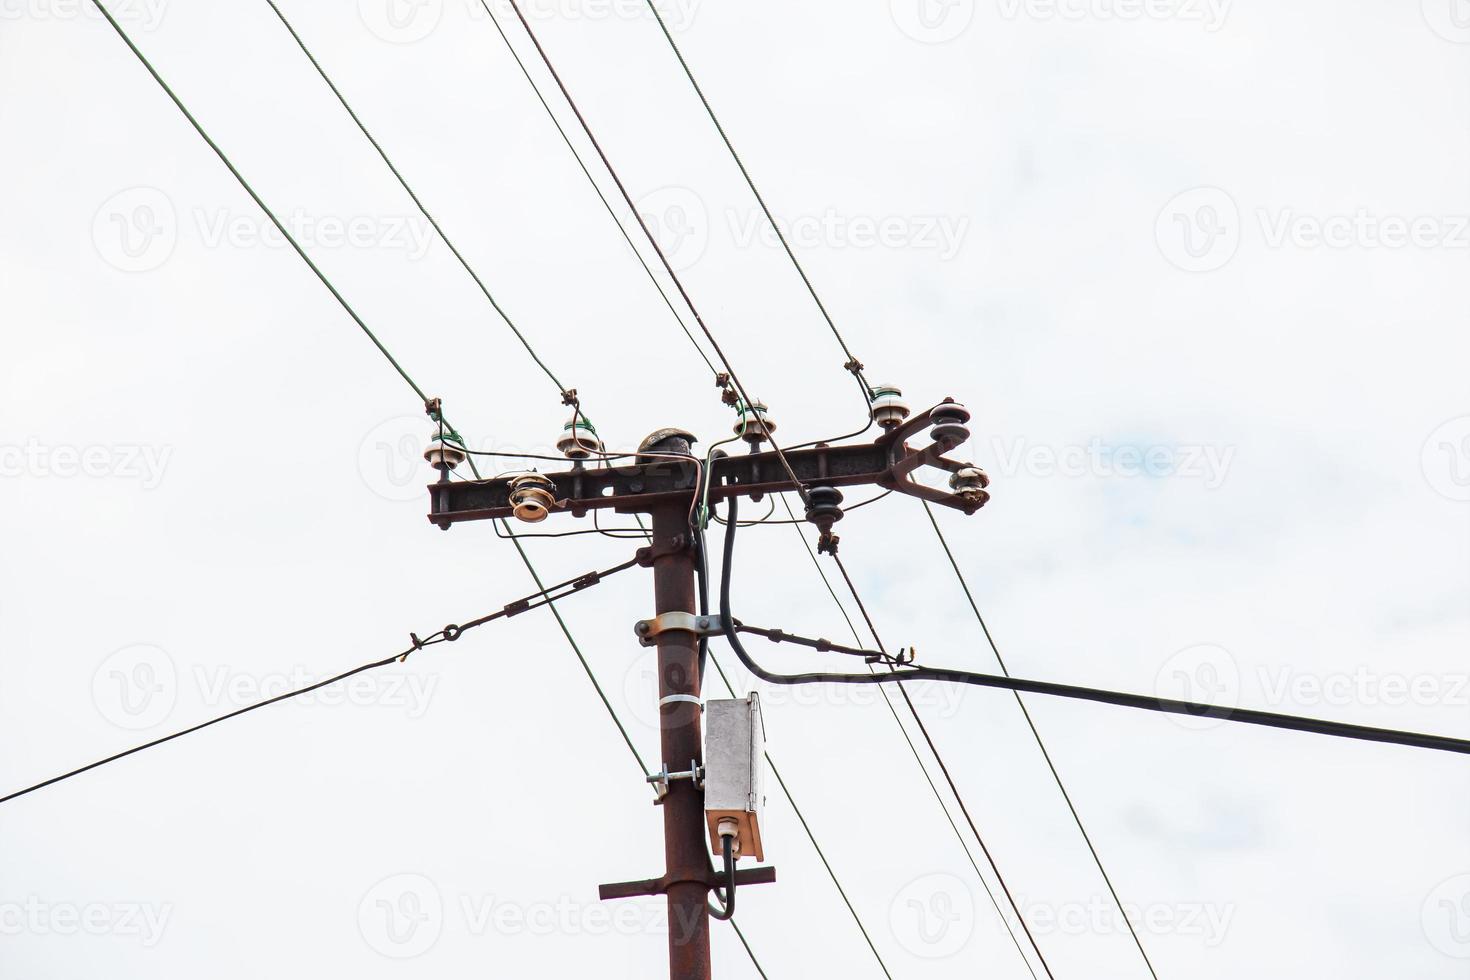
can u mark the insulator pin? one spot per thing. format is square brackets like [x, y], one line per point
[889, 409]
[579, 438]
[443, 455]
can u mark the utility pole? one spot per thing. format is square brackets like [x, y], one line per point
[664, 481]
[679, 738]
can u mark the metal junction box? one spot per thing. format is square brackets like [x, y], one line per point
[734, 763]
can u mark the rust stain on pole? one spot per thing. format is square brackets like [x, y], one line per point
[680, 742]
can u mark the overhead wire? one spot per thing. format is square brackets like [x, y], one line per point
[576, 155]
[948, 777]
[648, 233]
[1195, 709]
[449, 634]
[433, 222]
[918, 760]
[501, 527]
[822, 307]
[239, 177]
[702, 568]
[856, 366]
[271, 215]
[1036, 734]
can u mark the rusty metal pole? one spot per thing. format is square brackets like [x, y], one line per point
[679, 737]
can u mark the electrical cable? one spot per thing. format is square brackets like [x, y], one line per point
[357, 319]
[415, 198]
[290, 239]
[853, 364]
[914, 751]
[448, 634]
[944, 769]
[727, 896]
[1036, 734]
[836, 333]
[107, 15]
[801, 520]
[648, 233]
[750, 182]
[598, 190]
[1442, 743]
[702, 579]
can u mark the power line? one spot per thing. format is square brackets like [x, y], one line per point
[801, 818]
[944, 768]
[1249, 716]
[448, 634]
[648, 233]
[414, 196]
[688, 72]
[524, 557]
[291, 239]
[702, 570]
[598, 190]
[1045, 754]
[213, 721]
[915, 752]
[857, 368]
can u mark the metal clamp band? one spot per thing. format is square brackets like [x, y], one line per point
[685, 622]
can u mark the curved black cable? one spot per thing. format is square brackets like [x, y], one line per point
[1248, 716]
[727, 897]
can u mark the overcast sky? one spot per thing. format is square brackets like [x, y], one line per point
[1197, 266]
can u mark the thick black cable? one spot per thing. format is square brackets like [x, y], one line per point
[780, 781]
[811, 836]
[1269, 719]
[726, 911]
[648, 233]
[1036, 734]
